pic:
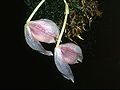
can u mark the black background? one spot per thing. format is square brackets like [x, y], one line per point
[22, 67]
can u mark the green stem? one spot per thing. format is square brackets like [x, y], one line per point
[35, 10]
[64, 23]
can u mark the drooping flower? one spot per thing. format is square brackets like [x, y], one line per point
[66, 54]
[42, 30]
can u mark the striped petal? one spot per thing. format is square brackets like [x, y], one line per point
[44, 30]
[71, 53]
[63, 67]
[33, 43]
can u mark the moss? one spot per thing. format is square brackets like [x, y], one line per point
[51, 9]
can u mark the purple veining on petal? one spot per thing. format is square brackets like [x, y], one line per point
[39, 33]
[71, 53]
[44, 30]
[50, 26]
[36, 28]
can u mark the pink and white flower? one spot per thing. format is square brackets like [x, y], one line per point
[66, 54]
[42, 30]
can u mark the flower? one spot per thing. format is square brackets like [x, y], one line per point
[42, 30]
[66, 54]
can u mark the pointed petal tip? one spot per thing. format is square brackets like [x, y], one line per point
[48, 53]
[80, 59]
[69, 78]
[72, 80]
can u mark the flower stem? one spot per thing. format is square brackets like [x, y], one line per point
[64, 23]
[35, 10]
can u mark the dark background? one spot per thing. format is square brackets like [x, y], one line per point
[22, 67]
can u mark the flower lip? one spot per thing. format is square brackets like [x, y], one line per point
[71, 53]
